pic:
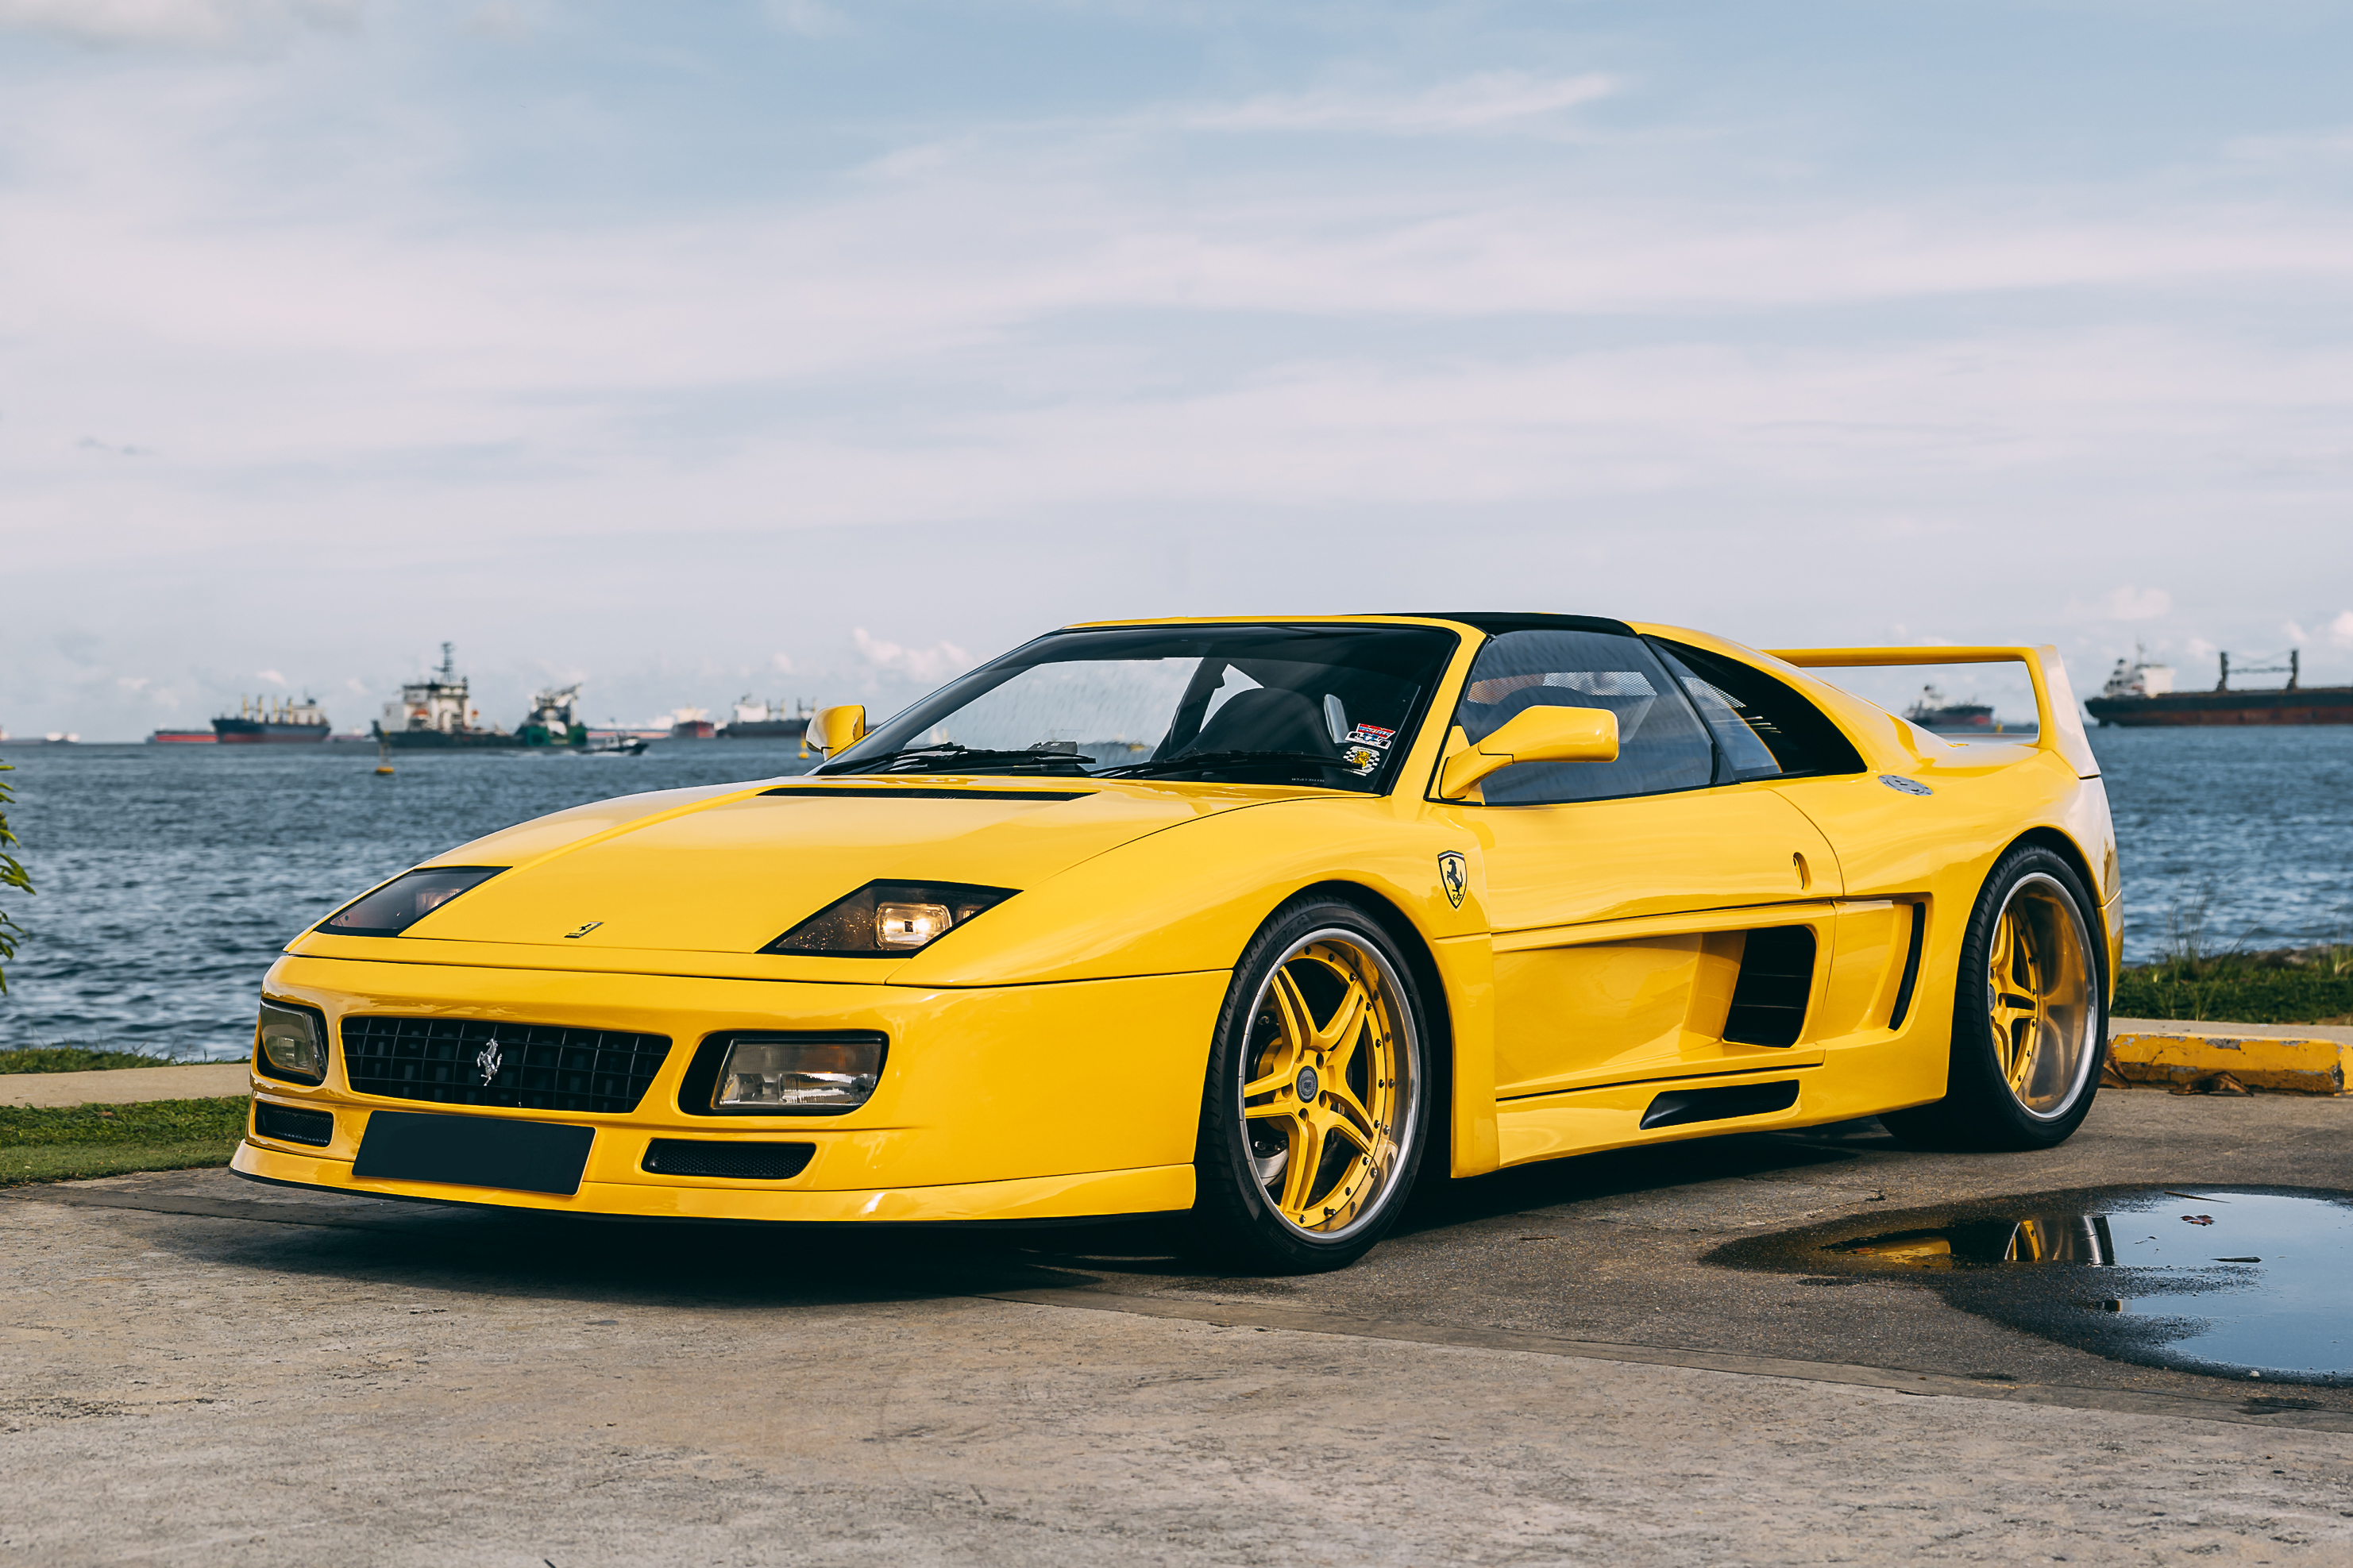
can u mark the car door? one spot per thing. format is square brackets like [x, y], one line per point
[1622, 896]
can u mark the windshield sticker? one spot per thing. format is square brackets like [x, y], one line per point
[1371, 735]
[1364, 759]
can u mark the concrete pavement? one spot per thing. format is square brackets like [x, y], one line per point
[1542, 1366]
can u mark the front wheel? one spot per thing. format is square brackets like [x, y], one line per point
[2030, 1027]
[1313, 1114]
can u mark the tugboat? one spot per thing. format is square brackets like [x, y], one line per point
[261, 720]
[2140, 694]
[757, 721]
[552, 722]
[1933, 712]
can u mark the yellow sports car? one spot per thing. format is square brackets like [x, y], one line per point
[1247, 921]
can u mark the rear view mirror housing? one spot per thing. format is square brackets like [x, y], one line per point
[831, 730]
[1535, 736]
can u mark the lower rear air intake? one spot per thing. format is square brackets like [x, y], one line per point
[1679, 1107]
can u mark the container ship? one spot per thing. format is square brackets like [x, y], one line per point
[266, 722]
[437, 713]
[1935, 714]
[757, 720]
[2139, 694]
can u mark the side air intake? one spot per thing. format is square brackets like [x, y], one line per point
[1777, 976]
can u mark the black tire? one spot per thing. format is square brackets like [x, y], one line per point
[1359, 1179]
[2013, 1083]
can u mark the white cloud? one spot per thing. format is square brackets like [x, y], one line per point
[2124, 604]
[270, 675]
[2340, 630]
[1474, 103]
[2295, 633]
[782, 663]
[172, 22]
[926, 666]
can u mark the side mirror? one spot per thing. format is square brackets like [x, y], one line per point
[831, 730]
[1533, 735]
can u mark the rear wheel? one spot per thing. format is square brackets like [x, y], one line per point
[1313, 1117]
[2030, 1027]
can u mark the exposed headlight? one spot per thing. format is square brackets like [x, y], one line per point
[290, 1043]
[885, 919]
[405, 900]
[797, 1072]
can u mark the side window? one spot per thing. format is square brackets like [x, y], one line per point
[1765, 728]
[1661, 745]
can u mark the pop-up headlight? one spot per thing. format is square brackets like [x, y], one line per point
[403, 901]
[290, 1043]
[889, 919]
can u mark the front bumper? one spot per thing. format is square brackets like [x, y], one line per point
[1004, 1103]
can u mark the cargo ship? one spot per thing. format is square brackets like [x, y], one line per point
[262, 720]
[437, 713]
[1934, 713]
[757, 720]
[183, 738]
[691, 724]
[2140, 694]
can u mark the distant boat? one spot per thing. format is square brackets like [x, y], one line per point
[691, 724]
[757, 720]
[183, 738]
[1933, 711]
[276, 722]
[2139, 694]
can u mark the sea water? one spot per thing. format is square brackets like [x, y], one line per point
[169, 877]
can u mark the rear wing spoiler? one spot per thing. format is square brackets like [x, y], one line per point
[2059, 718]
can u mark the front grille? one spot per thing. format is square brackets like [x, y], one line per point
[538, 1067]
[732, 1161]
[294, 1124]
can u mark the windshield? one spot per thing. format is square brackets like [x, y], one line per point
[1330, 705]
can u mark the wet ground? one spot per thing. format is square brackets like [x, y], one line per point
[1669, 1357]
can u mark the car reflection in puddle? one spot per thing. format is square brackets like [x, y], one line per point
[2232, 1282]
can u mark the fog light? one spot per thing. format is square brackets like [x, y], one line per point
[289, 1044]
[910, 925]
[779, 1071]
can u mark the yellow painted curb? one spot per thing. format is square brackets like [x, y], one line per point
[2285, 1060]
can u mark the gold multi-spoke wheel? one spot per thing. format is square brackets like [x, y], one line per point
[1313, 1116]
[2039, 996]
[2029, 1012]
[1327, 1075]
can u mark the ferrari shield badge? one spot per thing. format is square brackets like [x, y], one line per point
[1454, 876]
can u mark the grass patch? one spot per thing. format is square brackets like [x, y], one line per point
[2286, 985]
[84, 1059]
[56, 1143]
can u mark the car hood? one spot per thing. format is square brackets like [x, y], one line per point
[728, 871]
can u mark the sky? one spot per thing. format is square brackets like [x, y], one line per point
[819, 349]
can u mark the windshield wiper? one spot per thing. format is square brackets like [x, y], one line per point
[947, 757]
[1195, 760]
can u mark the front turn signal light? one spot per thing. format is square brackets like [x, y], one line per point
[889, 919]
[290, 1043]
[797, 1073]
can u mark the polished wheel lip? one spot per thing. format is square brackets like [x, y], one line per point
[2073, 974]
[1390, 1142]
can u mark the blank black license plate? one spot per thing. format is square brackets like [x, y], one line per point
[473, 1152]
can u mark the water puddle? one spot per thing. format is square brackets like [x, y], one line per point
[2248, 1283]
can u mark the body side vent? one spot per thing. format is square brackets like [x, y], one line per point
[1776, 978]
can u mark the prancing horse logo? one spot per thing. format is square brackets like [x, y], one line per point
[1454, 875]
[488, 1062]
